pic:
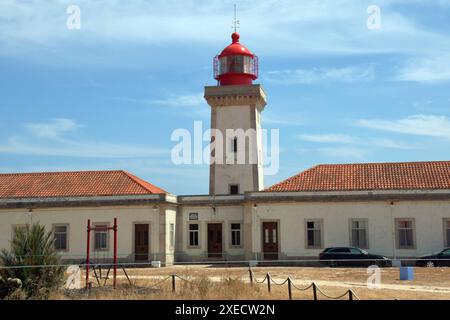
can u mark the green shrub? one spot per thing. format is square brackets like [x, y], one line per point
[34, 261]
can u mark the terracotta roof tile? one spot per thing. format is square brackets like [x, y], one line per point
[369, 176]
[73, 184]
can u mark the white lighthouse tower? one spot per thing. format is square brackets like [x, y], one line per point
[236, 106]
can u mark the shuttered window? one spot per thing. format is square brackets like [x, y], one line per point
[359, 233]
[314, 234]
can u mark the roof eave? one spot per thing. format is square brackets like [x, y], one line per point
[389, 195]
[87, 201]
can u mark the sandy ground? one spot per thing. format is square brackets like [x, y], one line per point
[429, 283]
[433, 277]
[321, 283]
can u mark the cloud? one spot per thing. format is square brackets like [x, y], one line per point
[421, 125]
[54, 129]
[348, 74]
[425, 70]
[130, 100]
[296, 27]
[353, 140]
[190, 100]
[387, 144]
[344, 152]
[19, 146]
[50, 139]
[327, 138]
[189, 105]
[291, 120]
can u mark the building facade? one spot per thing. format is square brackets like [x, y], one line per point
[64, 202]
[400, 210]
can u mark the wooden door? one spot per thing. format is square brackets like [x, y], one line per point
[214, 240]
[270, 240]
[141, 242]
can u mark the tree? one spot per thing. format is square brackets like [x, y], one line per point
[34, 260]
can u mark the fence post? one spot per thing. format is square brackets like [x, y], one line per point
[251, 275]
[268, 281]
[314, 291]
[350, 295]
[173, 283]
[289, 288]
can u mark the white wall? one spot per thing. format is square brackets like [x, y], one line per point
[223, 214]
[429, 225]
[170, 218]
[77, 219]
[429, 219]
[238, 117]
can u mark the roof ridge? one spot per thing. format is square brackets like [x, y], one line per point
[385, 163]
[295, 175]
[141, 182]
[74, 183]
[59, 172]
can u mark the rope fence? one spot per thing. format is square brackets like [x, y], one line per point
[290, 284]
[158, 283]
[267, 278]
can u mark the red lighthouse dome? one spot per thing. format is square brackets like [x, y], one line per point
[235, 65]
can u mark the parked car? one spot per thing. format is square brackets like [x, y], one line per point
[352, 256]
[437, 259]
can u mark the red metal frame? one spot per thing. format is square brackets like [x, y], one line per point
[256, 66]
[216, 67]
[235, 78]
[88, 248]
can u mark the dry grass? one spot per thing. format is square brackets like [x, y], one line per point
[194, 289]
[206, 283]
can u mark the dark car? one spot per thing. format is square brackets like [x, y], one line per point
[352, 256]
[437, 259]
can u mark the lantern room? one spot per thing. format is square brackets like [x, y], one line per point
[236, 65]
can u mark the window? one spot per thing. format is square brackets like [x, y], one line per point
[339, 250]
[237, 64]
[446, 254]
[101, 237]
[447, 232]
[235, 234]
[405, 233]
[313, 234]
[355, 251]
[358, 233]
[60, 233]
[234, 189]
[235, 145]
[172, 235]
[193, 235]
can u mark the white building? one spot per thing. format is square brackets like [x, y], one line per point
[394, 209]
[64, 201]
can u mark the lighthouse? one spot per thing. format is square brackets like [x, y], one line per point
[236, 105]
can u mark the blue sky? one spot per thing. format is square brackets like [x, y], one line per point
[109, 95]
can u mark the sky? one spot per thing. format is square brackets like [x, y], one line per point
[109, 95]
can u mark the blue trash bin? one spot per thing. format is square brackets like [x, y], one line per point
[406, 273]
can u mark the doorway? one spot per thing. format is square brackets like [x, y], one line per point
[141, 242]
[270, 240]
[214, 240]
